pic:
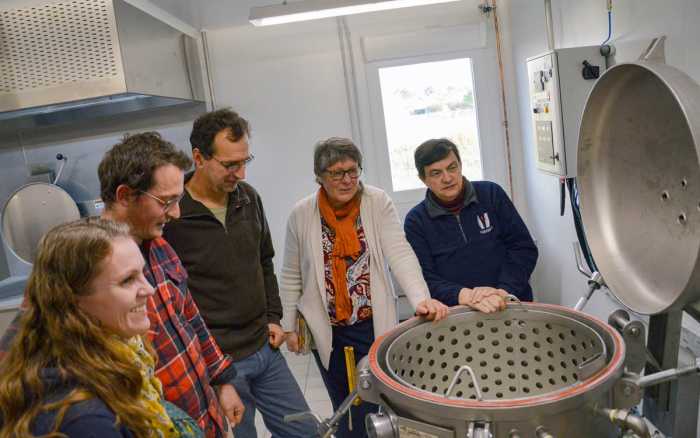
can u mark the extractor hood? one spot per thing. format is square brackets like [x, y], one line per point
[71, 60]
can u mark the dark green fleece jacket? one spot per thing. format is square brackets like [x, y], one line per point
[231, 275]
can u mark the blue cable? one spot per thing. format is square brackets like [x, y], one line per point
[609, 28]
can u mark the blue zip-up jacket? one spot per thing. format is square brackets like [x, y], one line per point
[486, 244]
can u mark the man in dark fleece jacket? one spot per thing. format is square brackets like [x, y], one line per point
[472, 244]
[223, 239]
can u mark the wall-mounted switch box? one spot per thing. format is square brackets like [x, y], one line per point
[559, 85]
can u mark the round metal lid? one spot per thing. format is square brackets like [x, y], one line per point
[639, 183]
[30, 212]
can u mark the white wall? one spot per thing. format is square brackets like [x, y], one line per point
[289, 82]
[635, 22]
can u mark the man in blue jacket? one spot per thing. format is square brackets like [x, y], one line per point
[473, 246]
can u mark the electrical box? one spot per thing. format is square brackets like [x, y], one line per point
[560, 81]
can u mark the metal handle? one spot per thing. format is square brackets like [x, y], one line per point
[327, 427]
[595, 280]
[667, 375]
[343, 409]
[467, 368]
[322, 426]
[594, 283]
[513, 299]
[656, 50]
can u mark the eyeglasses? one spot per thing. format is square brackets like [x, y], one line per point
[167, 205]
[233, 166]
[339, 175]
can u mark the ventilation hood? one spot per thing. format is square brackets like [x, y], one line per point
[71, 60]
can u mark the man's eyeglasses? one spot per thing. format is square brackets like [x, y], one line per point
[338, 175]
[167, 205]
[233, 166]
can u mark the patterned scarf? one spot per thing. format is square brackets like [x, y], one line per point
[346, 244]
[151, 390]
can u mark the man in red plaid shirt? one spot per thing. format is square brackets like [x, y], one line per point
[141, 182]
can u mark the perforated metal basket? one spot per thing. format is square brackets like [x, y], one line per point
[506, 363]
[516, 354]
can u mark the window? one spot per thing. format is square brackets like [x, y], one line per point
[429, 100]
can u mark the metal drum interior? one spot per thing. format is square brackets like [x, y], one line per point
[639, 181]
[514, 355]
[529, 366]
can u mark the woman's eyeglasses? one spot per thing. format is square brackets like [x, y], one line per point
[339, 175]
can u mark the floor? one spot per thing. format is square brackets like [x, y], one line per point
[306, 372]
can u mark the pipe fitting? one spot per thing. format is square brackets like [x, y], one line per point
[627, 420]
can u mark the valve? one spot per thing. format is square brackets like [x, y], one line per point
[325, 428]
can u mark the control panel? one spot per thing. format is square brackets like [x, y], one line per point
[560, 81]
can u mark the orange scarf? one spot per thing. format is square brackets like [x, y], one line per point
[346, 244]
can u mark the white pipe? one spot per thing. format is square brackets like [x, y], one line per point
[207, 70]
[549, 24]
[504, 101]
[348, 57]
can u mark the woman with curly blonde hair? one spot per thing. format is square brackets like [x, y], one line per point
[78, 365]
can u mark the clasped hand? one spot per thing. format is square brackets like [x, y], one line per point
[484, 299]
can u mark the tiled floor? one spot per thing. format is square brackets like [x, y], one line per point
[306, 372]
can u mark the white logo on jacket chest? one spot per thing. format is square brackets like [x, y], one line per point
[484, 223]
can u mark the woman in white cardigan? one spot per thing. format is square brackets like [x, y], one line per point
[340, 243]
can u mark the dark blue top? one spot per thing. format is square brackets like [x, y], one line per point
[486, 244]
[87, 419]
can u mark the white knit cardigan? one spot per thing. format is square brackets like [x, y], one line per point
[302, 285]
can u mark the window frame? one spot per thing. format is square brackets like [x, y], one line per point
[488, 118]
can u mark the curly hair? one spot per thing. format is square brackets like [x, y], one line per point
[133, 161]
[55, 333]
[208, 125]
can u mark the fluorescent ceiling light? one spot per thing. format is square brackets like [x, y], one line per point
[314, 9]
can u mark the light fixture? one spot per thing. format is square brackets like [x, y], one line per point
[314, 9]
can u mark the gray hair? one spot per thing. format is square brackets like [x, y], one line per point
[332, 150]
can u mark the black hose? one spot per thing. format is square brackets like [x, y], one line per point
[578, 224]
[562, 196]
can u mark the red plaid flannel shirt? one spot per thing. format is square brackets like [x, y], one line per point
[189, 359]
